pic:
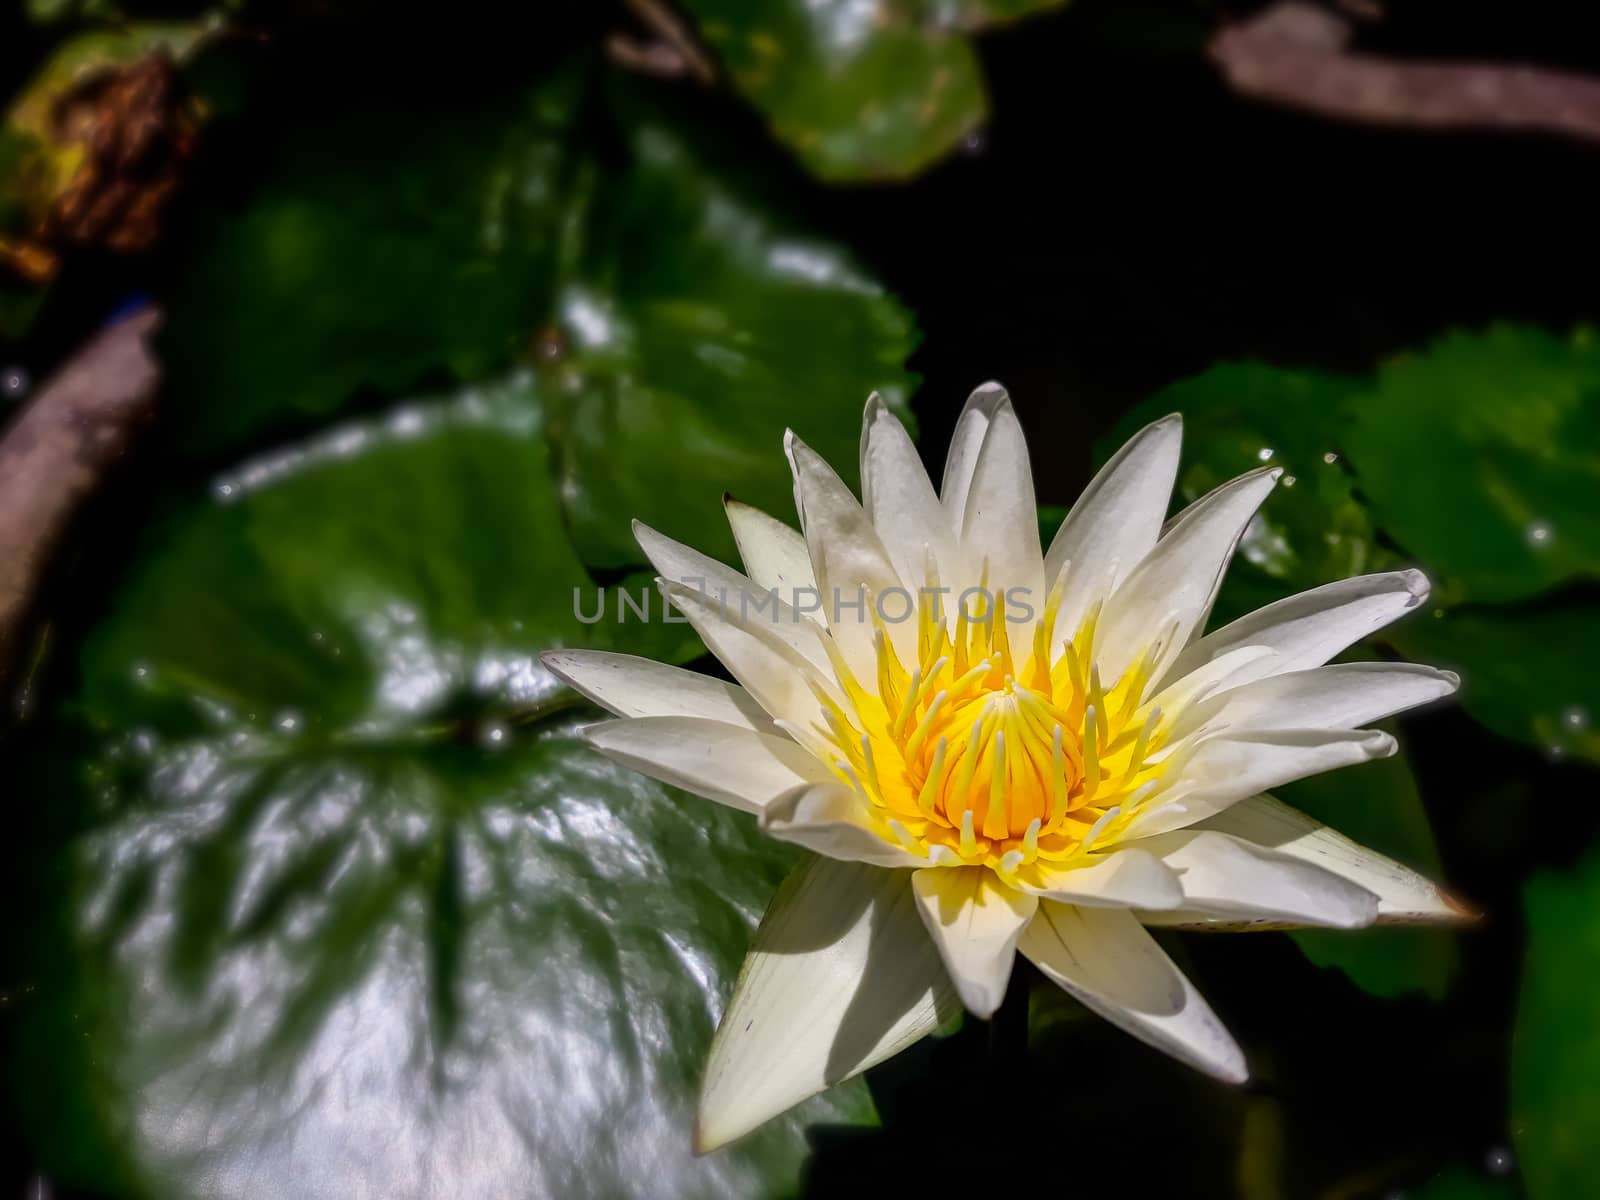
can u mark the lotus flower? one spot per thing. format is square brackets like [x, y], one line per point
[995, 749]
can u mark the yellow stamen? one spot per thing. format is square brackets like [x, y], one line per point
[1058, 780]
[981, 749]
[994, 820]
[908, 704]
[969, 766]
[1091, 756]
[925, 726]
[1099, 827]
[1141, 744]
[928, 797]
[871, 771]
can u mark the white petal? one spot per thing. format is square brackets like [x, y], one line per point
[774, 554]
[899, 500]
[1000, 524]
[1104, 958]
[831, 819]
[1173, 589]
[780, 678]
[732, 593]
[852, 567]
[1404, 896]
[1224, 770]
[640, 687]
[965, 442]
[1206, 679]
[841, 976]
[1308, 629]
[1342, 696]
[734, 766]
[1115, 522]
[1130, 878]
[1230, 877]
[975, 921]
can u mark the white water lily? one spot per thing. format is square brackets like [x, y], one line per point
[995, 748]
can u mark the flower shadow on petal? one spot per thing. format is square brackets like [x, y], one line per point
[902, 967]
[898, 965]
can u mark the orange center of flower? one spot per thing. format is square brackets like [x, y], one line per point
[998, 753]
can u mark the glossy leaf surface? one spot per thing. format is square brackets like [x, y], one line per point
[334, 902]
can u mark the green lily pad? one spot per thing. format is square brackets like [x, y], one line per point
[323, 284]
[670, 314]
[876, 90]
[1481, 455]
[1377, 805]
[1555, 1054]
[332, 901]
[692, 327]
[1526, 673]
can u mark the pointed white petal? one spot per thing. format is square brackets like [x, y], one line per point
[1342, 696]
[1177, 582]
[774, 554]
[769, 667]
[1404, 896]
[1105, 959]
[731, 593]
[852, 568]
[1116, 520]
[1227, 876]
[1205, 680]
[1122, 878]
[899, 500]
[841, 977]
[832, 819]
[1000, 524]
[1308, 629]
[737, 767]
[1226, 769]
[639, 687]
[975, 921]
[965, 442]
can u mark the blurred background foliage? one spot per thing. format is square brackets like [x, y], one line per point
[314, 893]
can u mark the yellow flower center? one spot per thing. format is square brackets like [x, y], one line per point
[997, 753]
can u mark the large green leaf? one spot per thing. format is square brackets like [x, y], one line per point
[1377, 805]
[672, 315]
[371, 249]
[1555, 1059]
[873, 90]
[692, 327]
[334, 903]
[1481, 455]
[1526, 673]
